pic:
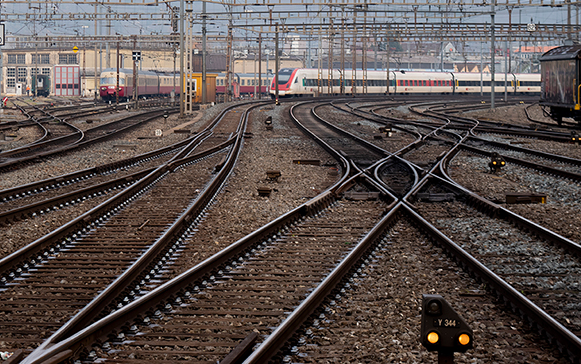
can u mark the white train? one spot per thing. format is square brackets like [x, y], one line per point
[311, 82]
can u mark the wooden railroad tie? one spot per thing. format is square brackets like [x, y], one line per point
[273, 175]
[361, 196]
[264, 191]
[512, 198]
[314, 162]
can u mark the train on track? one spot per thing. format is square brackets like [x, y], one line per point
[40, 85]
[151, 84]
[244, 84]
[561, 84]
[312, 82]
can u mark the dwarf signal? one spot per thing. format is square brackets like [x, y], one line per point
[443, 329]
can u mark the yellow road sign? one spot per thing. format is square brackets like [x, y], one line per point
[75, 49]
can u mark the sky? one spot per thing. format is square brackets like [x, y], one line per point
[537, 15]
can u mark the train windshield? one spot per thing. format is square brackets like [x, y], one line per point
[112, 81]
[284, 75]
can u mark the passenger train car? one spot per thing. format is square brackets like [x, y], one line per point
[244, 83]
[151, 84]
[561, 84]
[311, 82]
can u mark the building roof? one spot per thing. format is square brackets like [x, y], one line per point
[538, 49]
[565, 52]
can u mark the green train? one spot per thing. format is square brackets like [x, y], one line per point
[43, 82]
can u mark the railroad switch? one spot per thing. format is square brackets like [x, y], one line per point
[496, 163]
[443, 330]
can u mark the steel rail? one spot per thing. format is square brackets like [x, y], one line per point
[545, 155]
[56, 351]
[293, 322]
[49, 204]
[79, 141]
[20, 257]
[553, 330]
[50, 183]
[97, 305]
[533, 165]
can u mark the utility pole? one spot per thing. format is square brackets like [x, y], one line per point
[354, 66]
[276, 101]
[135, 76]
[204, 84]
[228, 90]
[342, 80]
[182, 48]
[260, 66]
[84, 61]
[117, 86]
[387, 61]
[330, 80]
[364, 50]
[95, 64]
[35, 73]
[493, 51]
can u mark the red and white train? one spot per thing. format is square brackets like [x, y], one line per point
[244, 83]
[311, 82]
[150, 84]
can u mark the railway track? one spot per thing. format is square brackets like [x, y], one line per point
[213, 300]
[78, 139]
[129, 226]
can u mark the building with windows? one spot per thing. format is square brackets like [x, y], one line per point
[19, 65]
